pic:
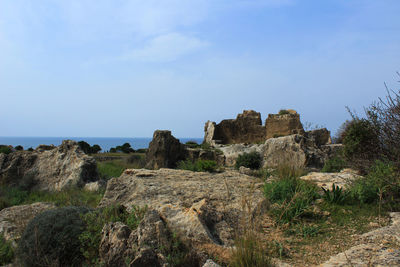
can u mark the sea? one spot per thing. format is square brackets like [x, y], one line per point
[104, 142]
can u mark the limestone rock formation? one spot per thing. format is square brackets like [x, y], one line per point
[246, 128]
[204, 208]
[148, 245]
[53, 170]
[320, 136]
[277, 125]
[375, 248]
[13, 220]
[326, 180]
[164, 151]
[232, 152]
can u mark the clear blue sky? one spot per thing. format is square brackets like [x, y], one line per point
[125, 68]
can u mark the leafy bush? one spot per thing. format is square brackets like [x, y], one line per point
[6, 251]
[141, 150]
[95, 220]
[361, 144]
[198, 165]
[381, 181]
[336, 195]
[250, 160]
[19, 148]
[88, 149]
[51, 238]
[5, 149]
[249, 252]
[335, 164]
[292, 197]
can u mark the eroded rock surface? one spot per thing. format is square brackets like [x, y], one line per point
[205, 209]
[53, 169]
[280, 125]
[246, 128]
[380, 247]
[326, 180]
[164, 151]
[13, 220]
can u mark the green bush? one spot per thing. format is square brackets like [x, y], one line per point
[6, 251]
[382, 181]
[5, 149]
[335, 164]
[52, 238]
[292, 197]
[250, 160]
[198, 165]
[360, 144]
[94, 222]
[192, 144]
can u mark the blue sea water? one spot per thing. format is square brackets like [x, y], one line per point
[104, 142]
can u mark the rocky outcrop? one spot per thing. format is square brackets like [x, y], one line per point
[164, 151]
[13, 220]
[194, 154]
[204, 209]
[246, 128]
[326, 180]
[376, 248]
[53, 170]
[149, 245]
[277, 125]
[319, 136]
[232, 152]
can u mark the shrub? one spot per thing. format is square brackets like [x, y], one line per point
[30, 149]
[361, 144]
[382, 181]
[19, 148]
[250, 160]
[87, 149]
[141, 150]
[51, 238]
[334, 164]
[5, 149]
[6, 251]
[198, 165]
[94, 221]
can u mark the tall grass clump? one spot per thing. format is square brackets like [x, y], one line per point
[250, 160]
[290, 195]
[249, 252]
[335, 164]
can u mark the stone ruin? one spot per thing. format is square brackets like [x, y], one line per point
[248, 128]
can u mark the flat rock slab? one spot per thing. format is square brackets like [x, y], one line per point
[326, 180]
[380, 247]
[13, 220]
[205, 208]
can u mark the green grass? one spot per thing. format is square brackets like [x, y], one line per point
[71, 197]
[114, 168]
[6, 251]
[198, 165]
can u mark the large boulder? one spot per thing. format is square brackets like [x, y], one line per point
[151, 244]
[205, 209]
[246, 128]
[13, 220]
[277, 125]
[164, 151]
[52, 170]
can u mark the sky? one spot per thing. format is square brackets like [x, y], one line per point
[126, 68]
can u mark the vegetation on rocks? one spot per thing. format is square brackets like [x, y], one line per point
[198, 165]
[250, 160]
[51, 238]
[6, 251]
[334, 164]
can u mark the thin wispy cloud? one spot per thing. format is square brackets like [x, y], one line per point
[166, 47]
